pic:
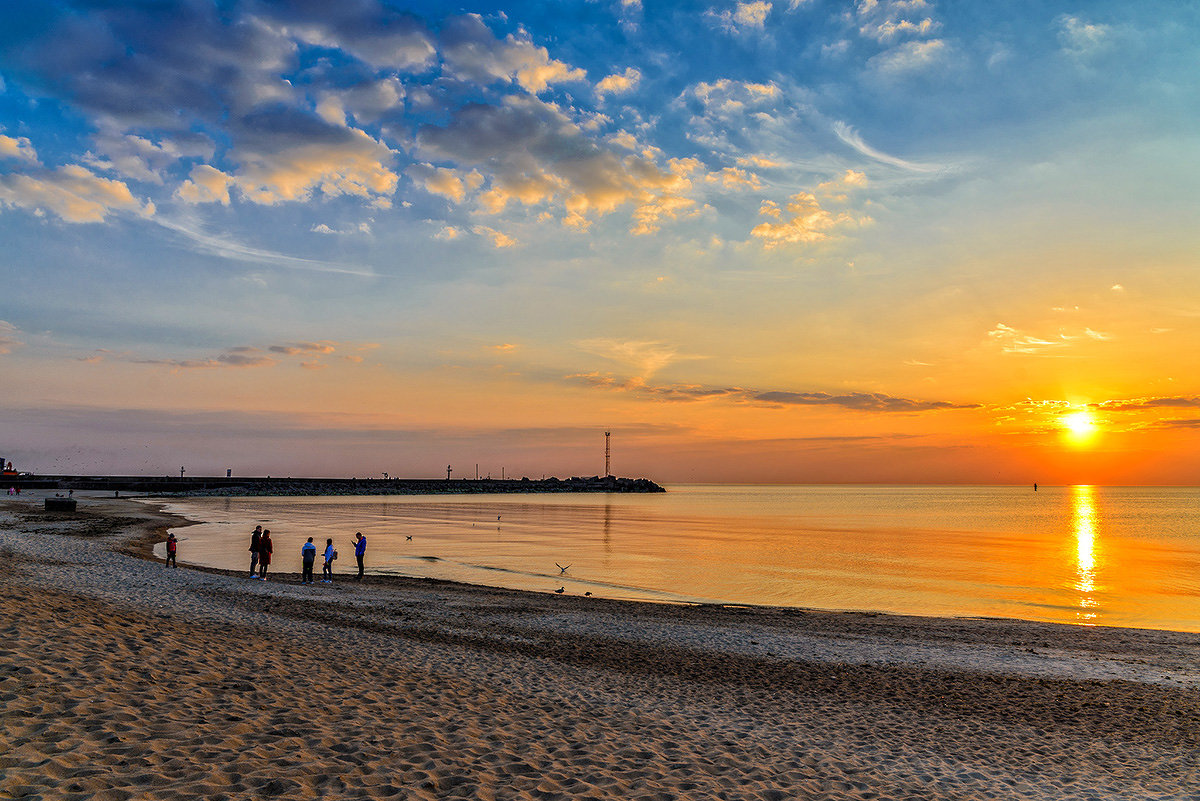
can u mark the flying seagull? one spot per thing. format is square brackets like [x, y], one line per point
[561, 569]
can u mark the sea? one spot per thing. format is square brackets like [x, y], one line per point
[1087, 555]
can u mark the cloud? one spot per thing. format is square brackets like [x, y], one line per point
[889, 30]
[72, 192]
[910, 57]
[852, 138]
[231, 249]
[1138, 404]
[682, 393]
[444, 181]
[291, 349]
[205, 185]
[645, 357]
[286, 156]
[744, 17]
[839, 188]
[863, 401]
[252, 356]
[619, 83]
[808, 222]
[729, 98]
[17, 148]
[733, 178]
[1081, 39]
[532, 153]
[379, 36]
[1013, 341]
[473, 52]
[236, 358]
[141, 159]
[367, 102]
[499, 240]
[8, 337]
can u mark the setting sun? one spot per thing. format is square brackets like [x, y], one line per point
[1080, 426]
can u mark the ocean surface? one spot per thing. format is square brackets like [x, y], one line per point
[1113, 556]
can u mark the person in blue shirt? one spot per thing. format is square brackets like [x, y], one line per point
[308, 553]
[327, 569]
[360, 550]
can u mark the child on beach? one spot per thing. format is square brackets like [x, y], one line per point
[308, 555]
[172, 547]
[265, 549]
[330, 555]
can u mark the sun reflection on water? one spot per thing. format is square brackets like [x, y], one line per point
[1083, 507]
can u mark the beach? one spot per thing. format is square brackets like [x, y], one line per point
[121, 678]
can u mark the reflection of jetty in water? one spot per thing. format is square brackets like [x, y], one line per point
[1084, 518]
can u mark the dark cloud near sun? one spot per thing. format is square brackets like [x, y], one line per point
[680, 393]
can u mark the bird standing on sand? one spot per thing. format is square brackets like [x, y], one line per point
[561, 590]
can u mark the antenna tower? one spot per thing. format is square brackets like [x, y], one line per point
[607, 472]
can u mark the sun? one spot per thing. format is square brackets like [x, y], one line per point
[1079, 426]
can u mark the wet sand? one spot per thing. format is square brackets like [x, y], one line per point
[121, 678]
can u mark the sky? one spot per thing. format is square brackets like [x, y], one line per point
[768, 241]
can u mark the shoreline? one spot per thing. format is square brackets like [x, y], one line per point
[402, 688]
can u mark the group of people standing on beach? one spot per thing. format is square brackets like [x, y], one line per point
[262, 549]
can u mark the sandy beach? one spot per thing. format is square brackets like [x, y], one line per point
[121, 679]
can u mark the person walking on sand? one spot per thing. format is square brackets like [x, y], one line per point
[360, 550]
[265, 549]
[254, 549]
[172, 547]
[327, 569]
[308, 555]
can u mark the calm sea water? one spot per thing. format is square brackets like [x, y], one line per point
[1116, 556]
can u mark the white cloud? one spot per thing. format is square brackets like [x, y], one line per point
[748, 15]
[473, 52]
[205, 185]
[17, 148]
[141, 159]
[852, 138]
[645, 358]
[1080, 38]
[499, 240]
[532, 153]
[911, 57]
[279, 171]
[619, 83]
[1012, 340]
[806, 222]
[444, 181]
[72, 192]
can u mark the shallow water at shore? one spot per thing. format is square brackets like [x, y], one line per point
[1089, 555]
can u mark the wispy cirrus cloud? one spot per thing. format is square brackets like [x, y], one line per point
[851, 137]
[229, 248]
[1012, 340]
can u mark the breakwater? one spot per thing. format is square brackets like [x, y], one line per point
[269, 485]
